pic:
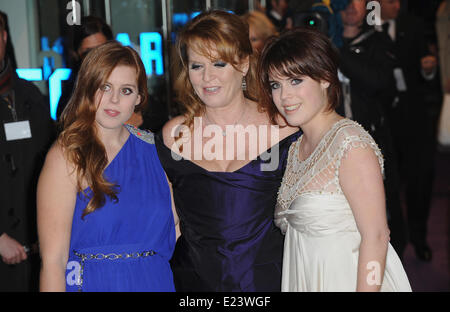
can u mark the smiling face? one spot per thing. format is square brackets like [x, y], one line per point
[117, 98]
[216, 83]
[299, 100]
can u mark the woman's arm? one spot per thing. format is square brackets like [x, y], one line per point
[362, 183]
[56, 197]
[174, 211]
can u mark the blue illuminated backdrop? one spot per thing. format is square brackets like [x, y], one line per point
[151, 50]
[151, 54]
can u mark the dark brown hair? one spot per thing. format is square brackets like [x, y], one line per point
[79, 138]
[2, 22]
[90, 25]
[299, 52]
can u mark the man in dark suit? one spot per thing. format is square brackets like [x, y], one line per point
[279, 14]
[406, 34]
[366, 74]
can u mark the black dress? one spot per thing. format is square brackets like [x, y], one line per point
[229, 241]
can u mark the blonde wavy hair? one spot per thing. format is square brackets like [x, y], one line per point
[261, 24]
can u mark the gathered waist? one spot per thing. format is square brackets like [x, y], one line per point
[319, 215]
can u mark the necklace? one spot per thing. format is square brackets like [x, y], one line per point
[224, 132]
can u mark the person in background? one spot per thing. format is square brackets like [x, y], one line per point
[260, 28]
[9, 45]
[105, 217]
[26, 133]
[443, 38]
[366, 73]
[414, 63]
[279, 14]
[92, 32]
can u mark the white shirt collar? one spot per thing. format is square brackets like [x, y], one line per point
[391, 29]
[276, 15]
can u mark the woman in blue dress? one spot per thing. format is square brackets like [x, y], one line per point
[105, 221]
[225, 158]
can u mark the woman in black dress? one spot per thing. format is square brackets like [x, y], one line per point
[225, 157]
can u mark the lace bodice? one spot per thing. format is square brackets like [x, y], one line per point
[319, 173]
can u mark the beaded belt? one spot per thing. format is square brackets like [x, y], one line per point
[109, 256]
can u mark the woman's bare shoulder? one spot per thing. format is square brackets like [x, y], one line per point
[169, 130]
[55, 155]
[57, 164]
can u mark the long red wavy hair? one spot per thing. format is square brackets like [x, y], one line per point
[78, 138]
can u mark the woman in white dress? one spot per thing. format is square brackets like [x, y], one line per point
[331, 203]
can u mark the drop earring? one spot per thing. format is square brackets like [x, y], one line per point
[244, 84]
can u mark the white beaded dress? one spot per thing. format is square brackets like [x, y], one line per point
[322, 240]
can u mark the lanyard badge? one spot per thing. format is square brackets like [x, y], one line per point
[15, 130]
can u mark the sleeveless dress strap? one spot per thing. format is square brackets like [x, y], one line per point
[145, 136]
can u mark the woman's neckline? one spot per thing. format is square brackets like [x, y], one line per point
[115, 157]
[330, 130]
[228, 172]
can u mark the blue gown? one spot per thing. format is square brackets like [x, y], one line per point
[229, 241]
[126, 246]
